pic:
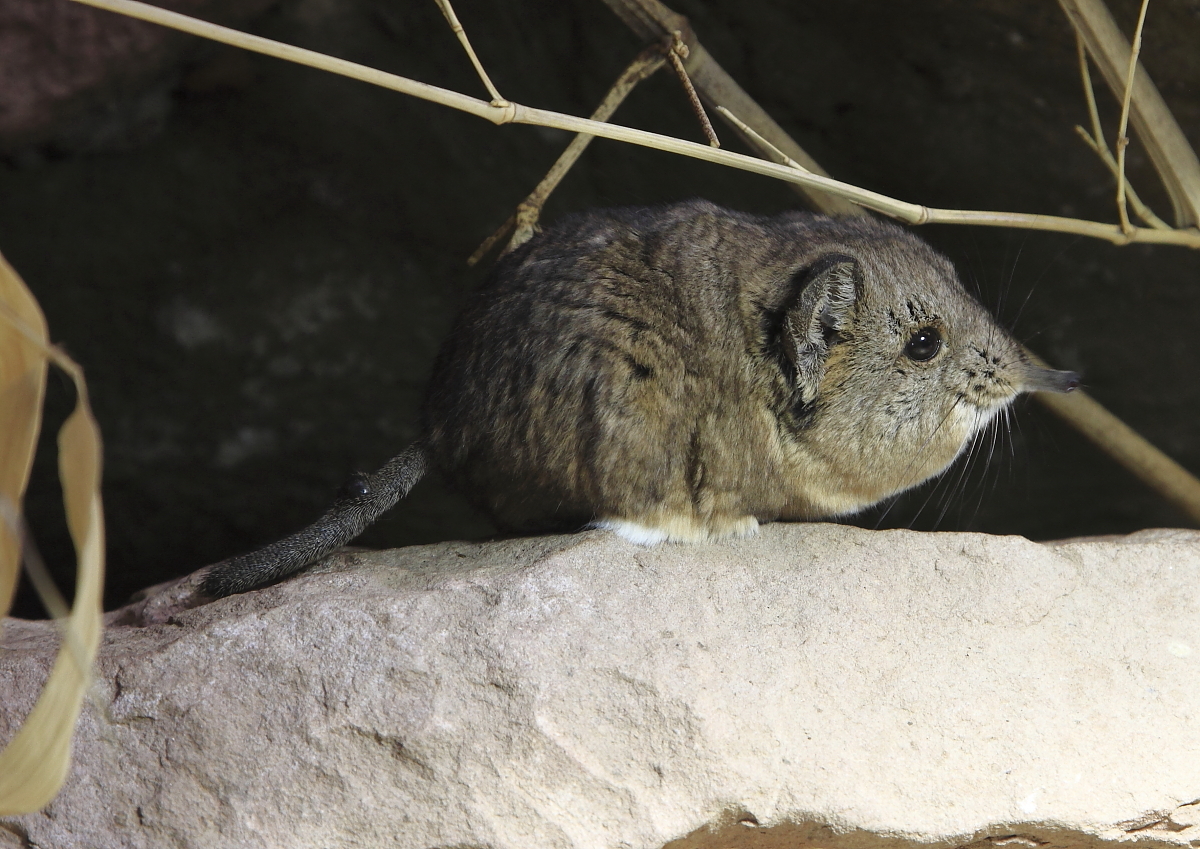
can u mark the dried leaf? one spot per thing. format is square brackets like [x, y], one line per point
[35, 762]
[22, 386]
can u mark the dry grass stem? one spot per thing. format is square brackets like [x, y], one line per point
[1095, 140]
[35, 568]
[1129, 448]
[1172, 156]
[677, 52]
[452, 19]
[525, 218]
[651, 20]
[515, 113]
[1089, 93]
[761, 143]
[1167, 146]
[1143, 212]
[1122, 138]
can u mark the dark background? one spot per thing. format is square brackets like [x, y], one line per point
[254, 262]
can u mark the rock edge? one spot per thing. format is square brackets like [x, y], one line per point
[814, 685]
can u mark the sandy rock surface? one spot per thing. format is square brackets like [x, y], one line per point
[816, 684]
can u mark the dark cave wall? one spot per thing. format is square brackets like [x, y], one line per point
[255, 262]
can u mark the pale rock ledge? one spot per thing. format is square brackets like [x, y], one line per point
[816, 685]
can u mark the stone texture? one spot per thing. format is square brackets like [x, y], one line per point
[257, 293]
[816, 684]
[87, 78]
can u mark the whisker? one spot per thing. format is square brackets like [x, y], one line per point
[929, 439]
[944, 484]
[892, 502]
[916, 457]
[1020, 433]
[960, 483]
[997, 439]
[1008, 284]
[1046, 270]
[947, 497]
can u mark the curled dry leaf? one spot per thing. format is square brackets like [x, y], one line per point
[22, 386]
[34, 763]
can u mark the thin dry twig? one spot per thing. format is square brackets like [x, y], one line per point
[525, 218]
[1089, 92]
[1165, 143]
[713, 83]
[1095, 140]
[651, 20]
[1122, 138]
[1129, 448]
[757, 139]
[677, 52]
[452, 19]
[515, 113]
[1079, 410]
[1143, 212]
[524, 221]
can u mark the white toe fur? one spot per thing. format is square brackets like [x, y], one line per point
[747, 526]
[632, 531]
[679, 531]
